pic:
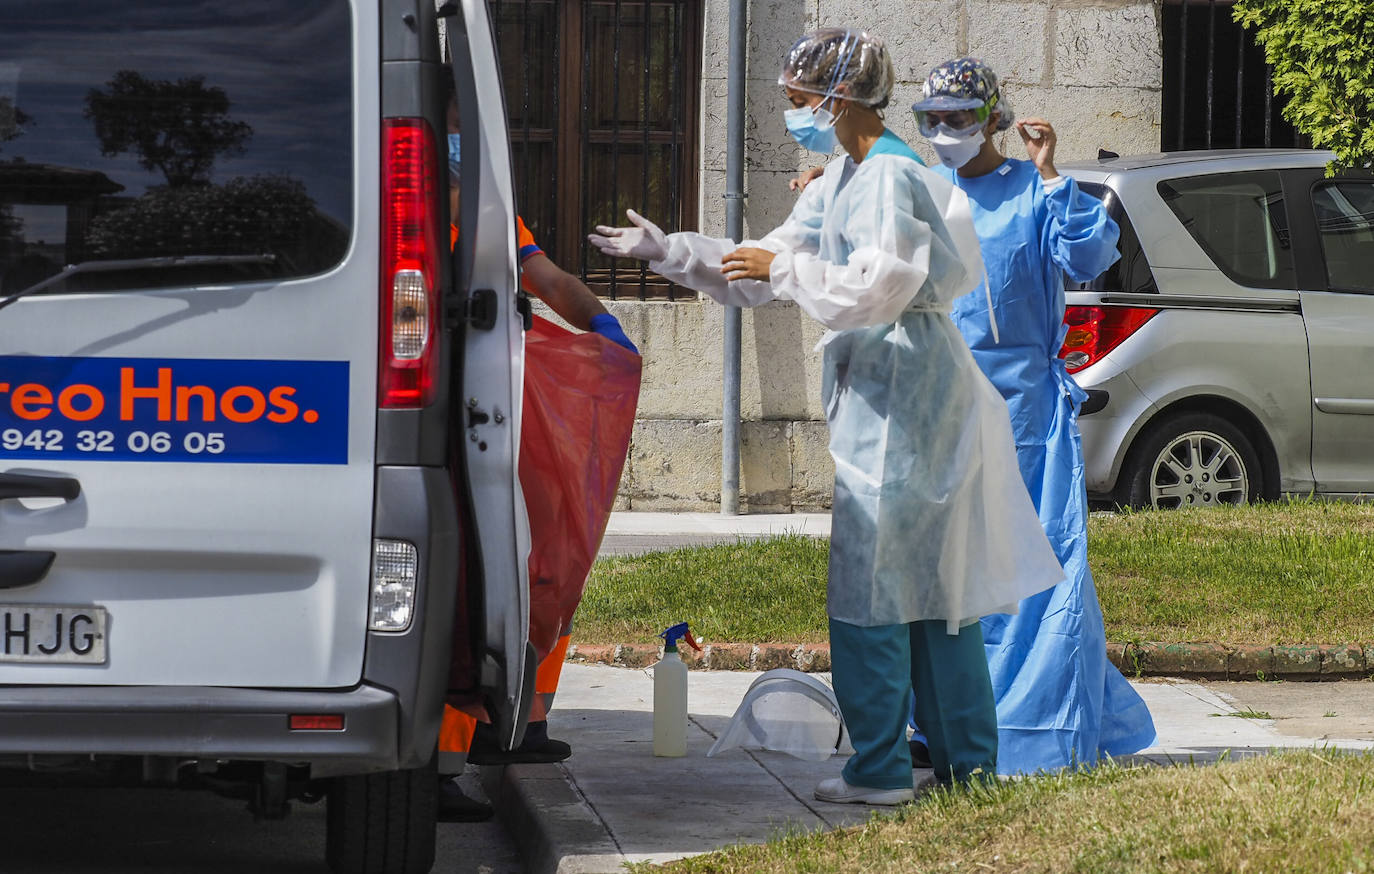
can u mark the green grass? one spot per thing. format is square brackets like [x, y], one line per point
[1288, 573]
[1297, 812]
[1292, 573]
[765, 591]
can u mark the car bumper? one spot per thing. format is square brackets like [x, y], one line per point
[1117, 410]
[202, 723]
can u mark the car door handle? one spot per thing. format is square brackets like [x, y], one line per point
[23, 567]
[23, 485]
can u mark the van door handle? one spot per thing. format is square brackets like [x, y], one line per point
[23, 567]
[23, 485]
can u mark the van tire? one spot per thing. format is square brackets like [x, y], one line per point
[382, 823]
[1192, 440]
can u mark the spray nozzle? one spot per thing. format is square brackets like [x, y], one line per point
[672, 634]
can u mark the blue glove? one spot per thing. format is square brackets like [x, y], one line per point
[608, 326]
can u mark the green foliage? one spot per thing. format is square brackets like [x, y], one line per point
[1322, 52]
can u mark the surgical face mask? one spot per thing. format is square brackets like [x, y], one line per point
[813, 129]
[957, 148]
[454, 166]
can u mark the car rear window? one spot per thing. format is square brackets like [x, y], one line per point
[1131, 272]
[220, 133]
[1345, 220]
[1240, 221]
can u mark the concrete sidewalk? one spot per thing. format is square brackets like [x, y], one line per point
[613, 801]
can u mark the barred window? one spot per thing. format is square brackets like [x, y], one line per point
[602, 101]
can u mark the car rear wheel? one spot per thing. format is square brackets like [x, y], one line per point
[382, 822]
[1193, 460]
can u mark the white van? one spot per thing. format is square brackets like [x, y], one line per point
[258, 504]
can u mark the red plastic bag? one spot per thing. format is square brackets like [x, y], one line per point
[579, 408]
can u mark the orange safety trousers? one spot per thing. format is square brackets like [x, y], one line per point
[455, 734]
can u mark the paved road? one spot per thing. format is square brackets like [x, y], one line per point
[84, 831]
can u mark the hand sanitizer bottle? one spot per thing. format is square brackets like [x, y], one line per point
[670, 695]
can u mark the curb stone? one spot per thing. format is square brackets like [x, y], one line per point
[558, 833]
[1201, 661]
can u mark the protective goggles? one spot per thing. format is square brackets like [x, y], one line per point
[954, 121]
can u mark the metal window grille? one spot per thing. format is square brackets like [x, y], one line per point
[1218, 88]
[602, 98]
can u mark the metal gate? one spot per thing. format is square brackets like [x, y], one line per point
[1218, 89]
[602, 99]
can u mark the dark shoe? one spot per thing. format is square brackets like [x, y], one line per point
[455, 806]
[920, 755]
[536, 749]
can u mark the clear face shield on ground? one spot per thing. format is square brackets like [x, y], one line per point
[787, 711]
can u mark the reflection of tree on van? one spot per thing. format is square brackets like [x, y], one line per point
[177, 128]
[245, 216]
[12, 120]
[180, 129]
[26, 186]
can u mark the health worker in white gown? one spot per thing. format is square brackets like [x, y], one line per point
[931, 527]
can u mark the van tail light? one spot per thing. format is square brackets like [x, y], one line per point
[409, 353]
[1097, 330]
[395, 577]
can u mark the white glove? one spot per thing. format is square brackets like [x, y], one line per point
[645, 241]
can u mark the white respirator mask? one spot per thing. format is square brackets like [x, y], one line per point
[957, 147]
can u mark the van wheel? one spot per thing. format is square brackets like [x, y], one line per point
[382, 822]
[1193, 460]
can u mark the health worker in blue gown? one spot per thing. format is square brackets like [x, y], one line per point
[931, 529]
[1059, 701]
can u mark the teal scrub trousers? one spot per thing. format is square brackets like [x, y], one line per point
[875, 670]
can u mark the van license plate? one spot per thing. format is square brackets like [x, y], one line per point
[53, 633]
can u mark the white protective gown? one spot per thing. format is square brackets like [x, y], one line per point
[930, 517]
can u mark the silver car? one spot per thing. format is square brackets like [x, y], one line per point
[1229, 354]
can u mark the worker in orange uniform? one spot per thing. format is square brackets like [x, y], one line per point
[467, 732]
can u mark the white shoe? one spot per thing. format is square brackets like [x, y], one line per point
[837, 791]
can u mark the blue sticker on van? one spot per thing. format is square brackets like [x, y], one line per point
[180, 409]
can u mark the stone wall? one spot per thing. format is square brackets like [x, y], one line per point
[1093, 69]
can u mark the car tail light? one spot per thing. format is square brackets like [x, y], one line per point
[1095, 331]
[410, 265]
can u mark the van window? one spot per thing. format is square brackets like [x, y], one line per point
[155, 128]
[1345, 219]
[1240, 221]
[1129, 273]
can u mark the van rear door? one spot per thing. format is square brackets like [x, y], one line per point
[493, 357]
[188, 394]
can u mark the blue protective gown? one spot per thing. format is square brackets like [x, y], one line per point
[1059, 701]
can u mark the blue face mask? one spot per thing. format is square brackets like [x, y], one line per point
[454, 166]
[813, 129]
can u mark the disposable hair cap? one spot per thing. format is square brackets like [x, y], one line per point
[789, 712]
[824, 59]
